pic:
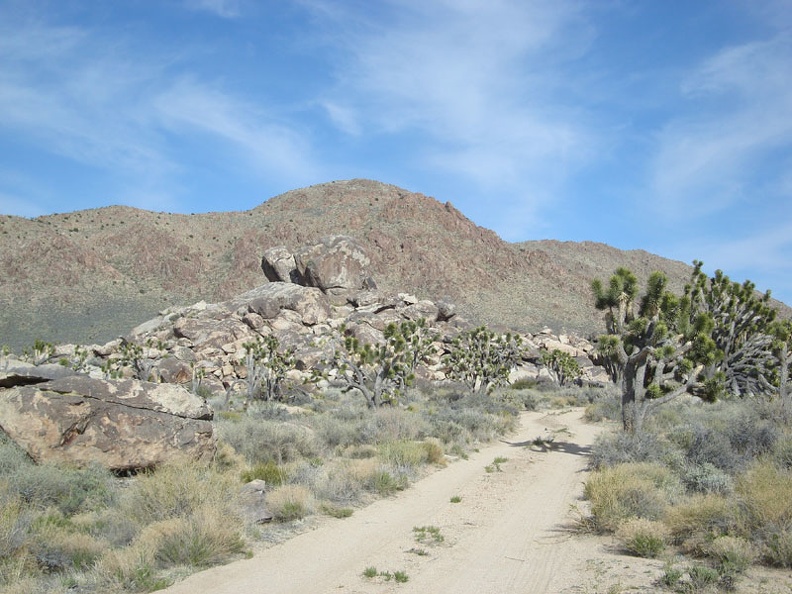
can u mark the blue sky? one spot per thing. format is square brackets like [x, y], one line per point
[664, 125]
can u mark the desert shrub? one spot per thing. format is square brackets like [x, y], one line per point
[612, 449]
[733, 554]
[269, 472]
[15, 522]
[727, 435]
[782, 453]
[700, 518]
[201, 540]
[12, 457]
[523, 384]
[520, 396]
[777, 549]
[178, 490]
[336, 432]
[635, 490]
[702, 576]
[404, 454]
[59, 547]
[765, 496]
[606, 408]
[262, 440]
[346, 482]
[132, 568]
[388, 480]
[454, 426]
[361, 451]
[706, 445]
[642, 537]
[290, 502]
[112, 525]
[434, 451]
[70, 490]
[751, 436]
[706, 478]
[393, 424]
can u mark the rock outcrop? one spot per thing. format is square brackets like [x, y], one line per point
[123, 425]
[127, 424]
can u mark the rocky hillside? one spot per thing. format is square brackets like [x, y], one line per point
[88, 276]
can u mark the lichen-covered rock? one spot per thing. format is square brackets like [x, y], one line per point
[123, 425]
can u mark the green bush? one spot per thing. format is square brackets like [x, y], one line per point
[387, 481]
[269, 472]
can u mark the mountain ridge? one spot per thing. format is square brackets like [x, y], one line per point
[88, 276]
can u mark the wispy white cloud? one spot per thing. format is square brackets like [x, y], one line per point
[70, 102]
[480, 83]
[125, 110]
[269, 145]
[227, 9]
[737, 116]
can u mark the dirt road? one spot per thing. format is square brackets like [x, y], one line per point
[508, 533]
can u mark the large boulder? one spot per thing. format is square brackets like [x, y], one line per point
[279, 266]
[337, 264]
[20, 373]
[309, 303]
[123, 425]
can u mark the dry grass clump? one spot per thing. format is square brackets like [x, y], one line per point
[176, 490]
[635, 490]
[290, 502]
[699, 519]
[764, 493]
[393, 424]
[642, 537]
[203, 539]
[732, 554]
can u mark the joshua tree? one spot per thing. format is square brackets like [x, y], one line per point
[381, 372]
[563, 365]
[782, 349]
[711, 341]
[266, 368]
[656, 349]
[481, 359]
[742, 322]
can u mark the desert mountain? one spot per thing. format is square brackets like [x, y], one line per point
[89, 276]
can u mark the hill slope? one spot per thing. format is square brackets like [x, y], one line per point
[90, 275]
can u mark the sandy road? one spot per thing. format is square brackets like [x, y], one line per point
[509, 533]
